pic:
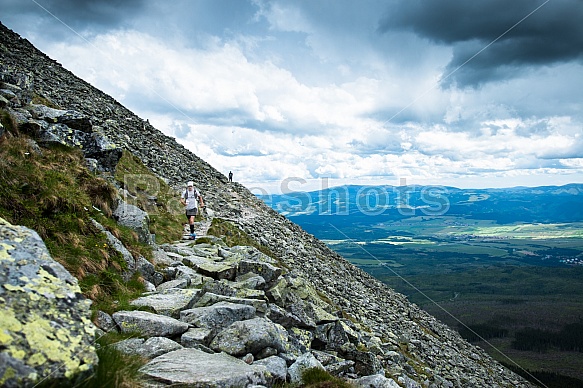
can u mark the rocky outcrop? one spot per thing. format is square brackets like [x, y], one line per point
[234, 321]
[45, 326]
[306, 301]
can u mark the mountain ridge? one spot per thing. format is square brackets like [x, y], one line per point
[424, 352]
[545, 203]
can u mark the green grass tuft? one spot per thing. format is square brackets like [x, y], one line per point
[165, 211]
[319, 378]
[233, 235]
[53, 193]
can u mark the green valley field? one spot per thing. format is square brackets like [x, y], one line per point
[491, 282]
[502, 266]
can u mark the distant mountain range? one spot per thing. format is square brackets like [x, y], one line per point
[373, 204]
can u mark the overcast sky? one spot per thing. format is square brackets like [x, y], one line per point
[484, 93]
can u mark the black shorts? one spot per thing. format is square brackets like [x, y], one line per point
[191, 212]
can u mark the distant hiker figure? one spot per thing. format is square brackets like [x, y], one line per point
[191, 198]
[230, 176]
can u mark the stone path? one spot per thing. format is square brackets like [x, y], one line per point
[200, 228]
[230, 316]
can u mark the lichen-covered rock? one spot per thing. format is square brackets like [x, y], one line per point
[275, 365]
[304, 362]
[45, 330]
[268, 271]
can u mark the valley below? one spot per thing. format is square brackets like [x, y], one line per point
[502, 267]
[495, 284]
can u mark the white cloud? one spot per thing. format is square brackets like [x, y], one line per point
[293, 91]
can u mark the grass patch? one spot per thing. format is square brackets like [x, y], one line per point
[53, 193]
[317, 378]
[153, 195]
[115, 369]
[232, 235]
[42, 100]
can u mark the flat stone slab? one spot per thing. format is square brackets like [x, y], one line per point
[148, 324]
[195, 368]
[169, 302]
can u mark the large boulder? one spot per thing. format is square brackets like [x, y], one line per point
[148, 324]
[148, 349]
[251, 336]
[45, 326]
[169, 302]
[134, 218]
[268, 271]
[195, 368]
[217, 316]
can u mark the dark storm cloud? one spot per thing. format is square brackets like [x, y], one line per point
[97, 12]
[81, 15]
[552, 34]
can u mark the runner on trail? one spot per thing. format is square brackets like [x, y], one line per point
[191, 199]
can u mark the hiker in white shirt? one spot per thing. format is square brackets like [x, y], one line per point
[191, 199]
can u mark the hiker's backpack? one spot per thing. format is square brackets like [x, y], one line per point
[193, 195]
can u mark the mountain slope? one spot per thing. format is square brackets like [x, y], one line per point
[414, 346]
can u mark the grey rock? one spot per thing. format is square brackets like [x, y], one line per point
[195, 368]
[210, 299]
[163, 258]
[304, 362]
[134, 218]
[196, 336]
[281, 316]
[250, 281]
[337, 368]
[176, 283]
[148, 271]
[104, 321]
[250, 336]
[375, 381]
[218, 270]
[149, 349]
[45, 321]
[268, 271]
[148, 324]
[193, 277]
[127, 256]
[276, 366]
[336, 335]
[169, 302]
[366, 363]
[217, 316]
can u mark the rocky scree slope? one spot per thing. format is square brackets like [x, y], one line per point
[411, 346]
